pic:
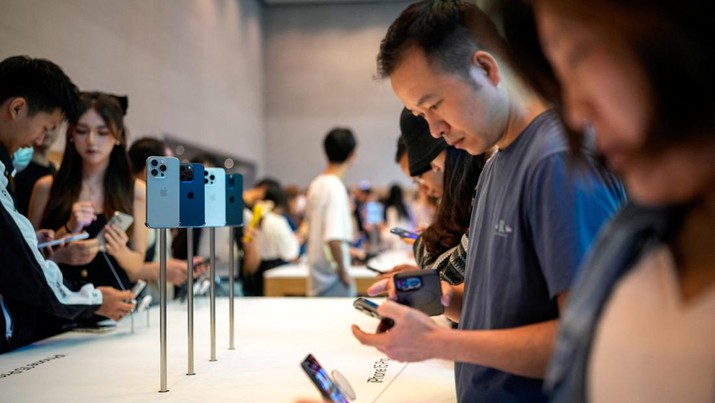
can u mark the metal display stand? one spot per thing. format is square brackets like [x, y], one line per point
[212, 294]
[162, 307]
[231, 276]
[190, 299]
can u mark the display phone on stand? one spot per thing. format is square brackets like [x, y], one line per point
[215, 189]
[191, 195]
[369, 308]
[234, 200]
[419, 289]
[321, 379]
[119, 220]
[403, 233]
[162, 192]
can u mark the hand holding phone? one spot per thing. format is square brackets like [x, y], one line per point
[369, 308]
[419, 289]
[138, 288]
[403, 233]
[62, 241]
[119, 220]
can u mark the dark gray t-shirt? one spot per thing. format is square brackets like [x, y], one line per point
[533, 222]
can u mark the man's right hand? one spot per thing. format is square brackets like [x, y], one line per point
[116, 304]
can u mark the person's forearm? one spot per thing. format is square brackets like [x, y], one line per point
[133, 263]
[454, 310]
[523, 351]
[336, 251]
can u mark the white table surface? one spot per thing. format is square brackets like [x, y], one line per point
[273, 335]
[384, 261]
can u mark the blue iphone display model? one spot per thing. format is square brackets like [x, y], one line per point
[234, 200]
[162, 192]
[191, 197]
[215, 189]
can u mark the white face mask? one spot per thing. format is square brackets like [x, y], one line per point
[22, 158]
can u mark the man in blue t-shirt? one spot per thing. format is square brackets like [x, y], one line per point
[533, 219]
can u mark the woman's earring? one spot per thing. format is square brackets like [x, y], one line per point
[117, 143]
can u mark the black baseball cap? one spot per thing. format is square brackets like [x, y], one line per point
[422, 148]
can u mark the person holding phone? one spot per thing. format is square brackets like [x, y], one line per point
[640, 322]
[533, 221]
[451, 172]
[35, 300]
[92, 183]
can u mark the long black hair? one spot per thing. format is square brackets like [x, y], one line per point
[118, 179]
[461, 173]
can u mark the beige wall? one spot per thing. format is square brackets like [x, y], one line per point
[320, 63]
[262, 83]
[193, 69]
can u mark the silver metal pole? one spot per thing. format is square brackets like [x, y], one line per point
[231, 275]
[162, 306]
[190, 298]
[212, 294]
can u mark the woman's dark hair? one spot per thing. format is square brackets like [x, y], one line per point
[118, 179]
[671, 42]
[396, 199]
[461, 173]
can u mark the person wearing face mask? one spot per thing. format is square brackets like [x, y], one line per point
[532, 223]
[640, 322]
[35, 300]
[36, 160]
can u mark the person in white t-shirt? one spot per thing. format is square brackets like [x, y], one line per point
[329, 222]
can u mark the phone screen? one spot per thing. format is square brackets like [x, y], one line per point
[71, 238]
[321, 379]
[403, 233]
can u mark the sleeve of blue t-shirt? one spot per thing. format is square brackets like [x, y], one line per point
[566, 209]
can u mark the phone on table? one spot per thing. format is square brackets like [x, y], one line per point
[322, 381]
[191, 195]
[369, 308]
[120, 220]
[419, 289]
[215, 189]
[162, 192]
[60, 241]
[234, 200]
[403, 233]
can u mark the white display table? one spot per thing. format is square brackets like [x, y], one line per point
[273, 335]
[290, 280]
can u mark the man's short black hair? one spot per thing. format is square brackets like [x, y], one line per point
[42, 83]
[339, 144]
[448, 31]
[142, 149]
